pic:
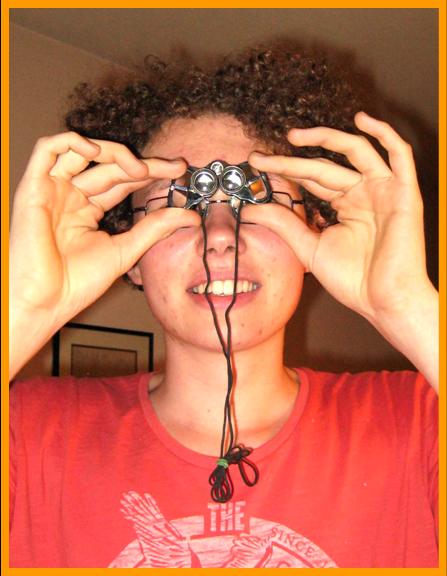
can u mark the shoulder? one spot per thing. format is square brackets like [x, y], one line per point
[42, 396]
[400, 401]
[377, 387]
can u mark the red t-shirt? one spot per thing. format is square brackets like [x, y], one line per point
[349, 481]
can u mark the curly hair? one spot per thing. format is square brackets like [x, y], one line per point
[269, 90]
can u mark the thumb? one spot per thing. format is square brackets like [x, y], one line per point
[288, 226]
[150, 230]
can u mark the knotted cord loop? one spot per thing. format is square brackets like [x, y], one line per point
[238, 455]
[220, 479]
[221, 483]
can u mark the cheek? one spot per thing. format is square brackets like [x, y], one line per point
[154, 268]
[282, 269]
[284, 275]
[164, 270]
[158, 268]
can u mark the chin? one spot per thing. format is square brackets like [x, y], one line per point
[190, 322]
[244, 339]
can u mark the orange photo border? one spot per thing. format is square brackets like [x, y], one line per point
[6, 5]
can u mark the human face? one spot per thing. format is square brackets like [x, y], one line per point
[172, 271]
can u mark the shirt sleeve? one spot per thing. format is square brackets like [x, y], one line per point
[12, 450]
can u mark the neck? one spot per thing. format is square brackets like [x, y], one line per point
[189, 396]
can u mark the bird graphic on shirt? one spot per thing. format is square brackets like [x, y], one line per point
[251, 551]
[184, 542]
[162, 545]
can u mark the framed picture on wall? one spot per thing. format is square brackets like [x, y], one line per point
[86, 350]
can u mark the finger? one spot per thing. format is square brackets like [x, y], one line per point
[288, 226]
[69, 164]
[109, 153]
[322, 192]
[358, 150]
[400, 153]
[347, 206]
[112, 152]
[150, 230]
[103, 177]
[49, 148]
[110, 198]
[320, 170]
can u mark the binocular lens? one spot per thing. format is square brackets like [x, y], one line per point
[233, 180]
[205, 182]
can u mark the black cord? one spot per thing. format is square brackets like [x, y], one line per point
[221, 484]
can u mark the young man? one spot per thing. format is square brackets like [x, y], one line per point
[114, 472]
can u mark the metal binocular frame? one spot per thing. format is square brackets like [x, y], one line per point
[238, 182]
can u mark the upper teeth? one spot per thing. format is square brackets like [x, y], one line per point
[225, 287]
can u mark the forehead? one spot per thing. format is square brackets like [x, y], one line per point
[201, 140]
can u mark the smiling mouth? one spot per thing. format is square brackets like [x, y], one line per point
[226, 287]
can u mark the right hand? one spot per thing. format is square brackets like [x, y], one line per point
[60, 261]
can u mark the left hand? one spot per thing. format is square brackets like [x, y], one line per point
[373, 260]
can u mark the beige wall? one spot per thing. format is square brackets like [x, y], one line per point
[322, 334]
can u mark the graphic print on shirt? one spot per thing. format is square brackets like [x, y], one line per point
[223, 538]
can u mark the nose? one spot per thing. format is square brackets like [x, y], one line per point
[220, 225]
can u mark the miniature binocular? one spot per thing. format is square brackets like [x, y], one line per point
[240, 183]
